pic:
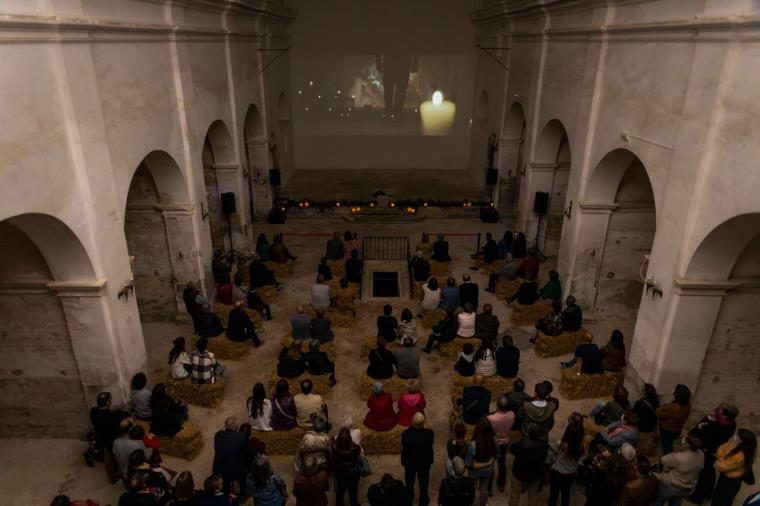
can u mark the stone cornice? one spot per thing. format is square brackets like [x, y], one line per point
[226, 167]
[597, 207]
[543, 166]
[78, 288]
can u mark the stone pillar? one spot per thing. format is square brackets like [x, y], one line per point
[258, 152]
[589, 252]
[184, 253]
[510, 171]
[228, 180]
[97, 355]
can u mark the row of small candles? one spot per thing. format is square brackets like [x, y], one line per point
[305, 204]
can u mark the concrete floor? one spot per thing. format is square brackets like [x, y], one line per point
[32, 471]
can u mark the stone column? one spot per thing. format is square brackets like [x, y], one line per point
[228, 180]
[509, 170]
[589, 252]
[258, 151]
[95, 350]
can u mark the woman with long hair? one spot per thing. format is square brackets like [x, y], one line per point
[184, 490]
[259, 409]
[613, 353]
[346, 461]
[179, 360]
[168, 414]
[431, 295]
[480, 457]
[265, 486]
[505, 244]
[672, 417]
[283, 408]
[565, 455]
[485, 358]
[733, 463]
[407, 327]
[263, 249]
[291, 362]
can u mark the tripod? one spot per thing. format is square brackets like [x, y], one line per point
[230, 254]
[539, 254]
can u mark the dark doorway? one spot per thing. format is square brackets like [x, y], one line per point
[385, 284]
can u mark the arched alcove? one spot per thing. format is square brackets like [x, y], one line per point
[256, 153]
[511, 149]
[217, 157]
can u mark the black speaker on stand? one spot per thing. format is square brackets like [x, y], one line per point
[277, 216]
[228, 208]
[540, 206]
[489, 215]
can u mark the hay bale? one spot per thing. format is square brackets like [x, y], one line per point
[430, 318]
[321, 383]
[225, 349]
[328, 347]
[208, 396]
[528, 315]
[338, 268]
[589, 386]
[268, 294]
[506, 288]
[342, 320]
[185, 444]
[223, 312]
[440, 269]
[281, 442]
[553, 346]
[496, 384]
[382, 443]
[493, 266]
[450, 351]
[334, 284]
[369, 343]
[281, 271]
[393, 385]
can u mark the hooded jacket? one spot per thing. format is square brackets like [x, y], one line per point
[534, 414]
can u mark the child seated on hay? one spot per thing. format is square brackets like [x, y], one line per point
[465, 364]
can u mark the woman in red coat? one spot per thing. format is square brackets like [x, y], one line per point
[413, 401]
[381, 416]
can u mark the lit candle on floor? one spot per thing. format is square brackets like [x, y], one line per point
[437, 115]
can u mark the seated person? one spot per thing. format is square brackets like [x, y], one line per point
[204, 367]
[261, 275]
[613, 353]
[407, 360]
[318, 363]
[444, 331]
[424, 246]
[240, 326]
[387, 325]
[316, 443]
[344, 297]
[220, 268]
[381, 416]
[262, 248]
[485, 358]
[612, 411]
[489, 252]
[465, 364]
[529, 267]
[507, 359]
[179, 360]
[589, 354]
[624, 430]
[141, 395]
[208, 324]
[320, 294]
[552, 290]
[504, 246]
[551, 324]
[410, 403]
[168, 414]
[468, 292]
[291, 363]
[466, 322]
[321, 327]
[487, 323]
[572, 316]
[407, 327]
[279, 251]
[334, 248]
[449, 294]
[420, 267]
[324, 270]
[300, 324]
[224, 292]
[519, 246]
[309, 406]
[431, 295]
[441, 250]
[350, 244]
[259, 409]
[255, 302]
[507, 272]
[475, 401]
[382, 362]
[527, 294]
[284, 414]
[354, 268]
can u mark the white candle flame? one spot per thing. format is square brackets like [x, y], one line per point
[437, 98]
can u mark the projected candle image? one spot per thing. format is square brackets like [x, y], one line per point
[437, 115]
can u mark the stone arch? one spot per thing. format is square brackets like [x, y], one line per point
[609, 172]
[257, 161]
[550, 142]
[219, 141]
[511, 164]
[514, 122]
[720, 251]
[219, 172]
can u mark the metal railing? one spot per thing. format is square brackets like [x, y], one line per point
[385, 248]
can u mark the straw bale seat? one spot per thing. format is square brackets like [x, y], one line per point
[185, 444]
[223, 312]
[589, 386]
[496, 384]
[321, 383]
[450, 351]
[506, 288]
[528, 315]
[268, 294]
[553, 346]
[338, 268]
[430, 318]
[208, 396]
[382, 443]
[393, 385]
[493, 266]
[224, 349]
[281, 271]
[328, 347]
[440, 269]
[369, 343]
[281, 442]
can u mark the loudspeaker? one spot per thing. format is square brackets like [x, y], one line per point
[277, 216]
[489, 215]
[492, 177]
[274, 177]
[541, 204]
[228, 202]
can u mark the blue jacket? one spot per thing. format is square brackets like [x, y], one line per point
[449, 297]
[631, 436]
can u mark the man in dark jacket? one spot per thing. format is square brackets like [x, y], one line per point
[507, 359]
[457, 490]
[381, 361]
[230, 447]
[389, 492]
[539, 412]
[240, 326]
[572, 316]
[441, 250]
[487, 324]
[334, 249]
[318, 363]
[468, 292]
[444, 331]
[417, 456]
[208, 324]
[516, 399]
[105, 424]
[528, 467]
[420, 267]
[476, 400]
[713, 431]
[261, 275]
[527, 294]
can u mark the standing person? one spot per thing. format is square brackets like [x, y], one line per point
[354, 268]
[350, 244]
[184, 491]
[527, 470]
[387, 325]
[481, 455]
[644, 488]
[417, 457]
[410, 403]
[680, 472]
[265, 486]
[646, 409]
[311, 484]
[105, 424]
[517, 398]
[441, 250]
[713, 430]
[230, 447]
[283, 408]
[214, 493]
[466, 322]
[673, 416]
[501, 421]
[407, 327]
[457, 489]
[508, 359]
[564, 456]
[538, 412]
[468, 292]
[476, 400]
[259, 409]
[420, 267]
[189, 296]
[733, 463]
[334, 248]
[346, 461]
[389, 492]
[487, 323]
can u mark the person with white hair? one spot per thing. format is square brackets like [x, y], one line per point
[457, 489]
[417, 456]
[315, 442]
[264, 485]
[230, 447]
[381, 416]
[320, 294]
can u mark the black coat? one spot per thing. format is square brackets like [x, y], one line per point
[529, 459]
[261, 275]
[288, 367]
[398, 495]
[417, 447]
[441, 251]
[456, 491]
[476, 403]
[527, 294]
[381, 362]
[208, 325]
[230, 449]
[507, 361]
[239, 326]
[468, 292]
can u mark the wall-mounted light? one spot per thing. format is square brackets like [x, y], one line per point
[129, 287]
[204, 213]
[569, 211]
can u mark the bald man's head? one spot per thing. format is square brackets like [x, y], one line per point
[478, 379]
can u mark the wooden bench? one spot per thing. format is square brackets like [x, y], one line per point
[209, 395]
[589, 386]
[185, 444]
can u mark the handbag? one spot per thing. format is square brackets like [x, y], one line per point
[364, 467]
